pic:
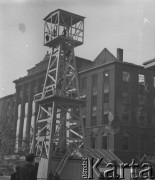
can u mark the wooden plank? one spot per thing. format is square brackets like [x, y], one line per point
[42, 169]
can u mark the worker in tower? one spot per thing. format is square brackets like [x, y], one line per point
[68, 31]
[54, 32]
[64, 33]
[28, 171]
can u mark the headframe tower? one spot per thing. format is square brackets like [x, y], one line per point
[59, 129]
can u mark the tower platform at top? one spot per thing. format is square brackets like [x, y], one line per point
[62, 25]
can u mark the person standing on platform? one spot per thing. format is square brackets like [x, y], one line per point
[64, 33]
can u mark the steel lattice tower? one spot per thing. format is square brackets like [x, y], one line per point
[59, 129]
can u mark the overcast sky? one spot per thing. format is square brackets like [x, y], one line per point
[112, 24]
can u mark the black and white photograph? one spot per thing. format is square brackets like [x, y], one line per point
[77, 89]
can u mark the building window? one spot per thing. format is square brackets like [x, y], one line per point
[105, 119]
[125, 142]
[126, 76]
[105, 110]
[106, 82]
[93, 142]
[141, 100]
[105, 113]
[27, 93]
[142, 120]
[83, 87]
[20, 93]
[126, 108]
[94, 105]
[84, 121]
[141, 116]
[34, 87]
[94, 80]
[104, 142]
[94, 84]
[106, 97]
[141, 79]
[154, 82]
[142, 90]
[94, 100]
[93, 121]
[94, 110]
[84, 83]
[125, 118]
[125, 88]
[125, 102]
[142, 144]
[41, 84]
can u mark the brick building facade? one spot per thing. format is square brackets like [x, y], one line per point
[120, 104]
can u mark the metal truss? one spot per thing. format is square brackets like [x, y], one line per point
[59, 129]
[61, 76]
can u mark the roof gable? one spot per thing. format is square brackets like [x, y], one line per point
[104, 57]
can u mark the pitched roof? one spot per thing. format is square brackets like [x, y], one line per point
[105, 56]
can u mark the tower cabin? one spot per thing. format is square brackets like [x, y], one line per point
[62, 25]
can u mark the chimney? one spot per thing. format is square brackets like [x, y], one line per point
[120, 54]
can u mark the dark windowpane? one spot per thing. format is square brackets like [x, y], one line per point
[84, 121]
[105, 82]
[141, 100]
[93, 142]
[94, 100]
[105, 119]
[94, 80]
[125, 143]
[104, 142]
[106, 97]
[126, 76]
[84, 83]
[93, 121]
[106, 108]
[142, 144]
[141, 89]
[125, 88]
[125, 118]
